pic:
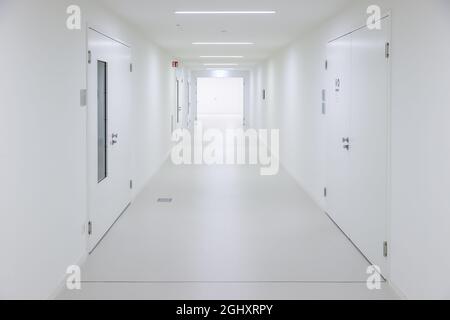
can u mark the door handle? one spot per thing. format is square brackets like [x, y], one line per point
[115, 136]
[346, 142]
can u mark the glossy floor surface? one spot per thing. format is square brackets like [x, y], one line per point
[229, 233]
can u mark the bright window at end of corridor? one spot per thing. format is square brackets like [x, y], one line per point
[220, 101]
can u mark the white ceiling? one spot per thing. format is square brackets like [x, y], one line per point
[269, 32]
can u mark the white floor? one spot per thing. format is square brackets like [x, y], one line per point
[228, 234]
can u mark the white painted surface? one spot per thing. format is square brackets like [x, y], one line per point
[179, 101]
[182, 114]
[220, 238]
[221, 122]
[420, 244]
[43, 137]
[369, 143]
[218, 73]
[220, 96]
[43, 181]
[108, 198]
[338, 110]
[294, 77]
[269, 32]
[229, 291]
[357, 118]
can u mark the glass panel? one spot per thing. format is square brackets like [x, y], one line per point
[102, 92]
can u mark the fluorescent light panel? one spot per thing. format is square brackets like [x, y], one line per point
[222, 43]
[225, 12]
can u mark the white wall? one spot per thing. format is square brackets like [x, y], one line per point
[420, 218]
[43, 136]
[154, 87]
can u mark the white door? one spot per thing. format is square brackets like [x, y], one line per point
[358, 139]
[178, 100]
[189, 105]
[369, 143]
[109, 158]
[338, 124]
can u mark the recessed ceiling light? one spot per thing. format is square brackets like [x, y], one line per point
[222, 43]
[223, 57]
[225, 12]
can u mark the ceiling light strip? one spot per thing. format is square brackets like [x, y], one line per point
[222, 43]
[223, 57]
[226, 12]
[221, 64]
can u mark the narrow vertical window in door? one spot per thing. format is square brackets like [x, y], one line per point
[188, 104]
[102, 111]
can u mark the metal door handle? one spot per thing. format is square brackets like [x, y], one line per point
[115, 136]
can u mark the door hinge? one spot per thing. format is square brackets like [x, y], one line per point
[131, 67]
[326, 64]
[83, 97]
[131, 184]
[385, 249]
[325, 192]
[90, 228]
[388, 50]
[89, 56]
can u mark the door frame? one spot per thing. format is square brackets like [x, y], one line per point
[386, 15]
[89, 216]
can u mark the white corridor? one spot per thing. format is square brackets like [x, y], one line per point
[337, 112]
